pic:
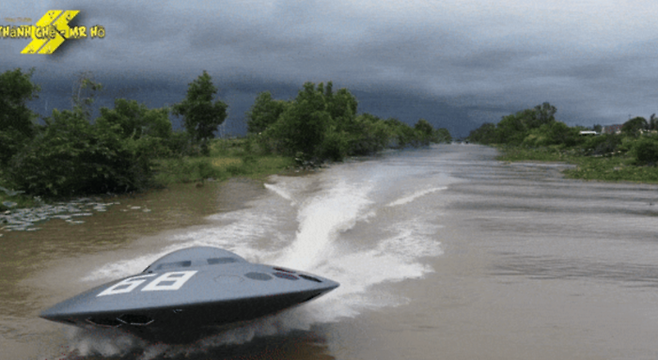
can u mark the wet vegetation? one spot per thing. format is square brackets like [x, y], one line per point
[534, 134]
[131, 147]
[320, 125]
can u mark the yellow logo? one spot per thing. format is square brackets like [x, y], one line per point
[50, 32]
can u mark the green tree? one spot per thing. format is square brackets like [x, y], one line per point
[343, 129]
[302, 127]
[634, 126]
[84, 91]
[402, 135]
[554, 133]
[321, 124]
[542, 114]
[485, 134]
[653, 122]
[72, 157]
[17, 125]
[370, 135]
[604, 144]
[512, 129]
[342, 106]
[137, 120]
[264, 112]
[201, 116]
[318, 124]
[645, 151]
[424, 132]
[443, 136]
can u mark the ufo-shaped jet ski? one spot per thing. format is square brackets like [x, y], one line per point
[189, 294]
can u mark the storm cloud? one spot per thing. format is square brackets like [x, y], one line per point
[455, 63]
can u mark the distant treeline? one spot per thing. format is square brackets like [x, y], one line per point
[537, 127]
[321, 124]
[73, 154]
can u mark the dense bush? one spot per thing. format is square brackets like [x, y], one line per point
[645, 151]
[121, 150]
[442, 135]
[320, 124]
[635, 126]
[401, 135]
[303, 125]
[513, 129]
[264, 112]
[135, 121]
[70, 156]
[369, 135]
[637, 144]
[604, 144]
[424, 132]
[485, 134]
[17, 125]
[553, 133]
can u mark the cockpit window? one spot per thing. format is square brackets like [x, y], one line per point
[175, 265]
[221, 260]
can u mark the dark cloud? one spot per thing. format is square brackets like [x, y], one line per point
[491, 60]
[456, 64]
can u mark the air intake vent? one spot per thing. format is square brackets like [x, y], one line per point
[104, 322]
[135, 319]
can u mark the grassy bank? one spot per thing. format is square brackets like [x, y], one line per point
[13, 199]
[228, 158]
[603, 168]
[220, 168]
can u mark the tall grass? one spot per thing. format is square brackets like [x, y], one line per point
[603, 168]
[228, 158]
[9, 198]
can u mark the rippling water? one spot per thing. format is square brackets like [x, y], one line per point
[441, 253]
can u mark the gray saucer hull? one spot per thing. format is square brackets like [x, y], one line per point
[189, 294]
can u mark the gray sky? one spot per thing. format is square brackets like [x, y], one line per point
[456, 63]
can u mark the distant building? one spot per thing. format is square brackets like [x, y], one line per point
[612, 129]
[588, 133]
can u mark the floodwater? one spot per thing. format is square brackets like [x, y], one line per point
[442, 253]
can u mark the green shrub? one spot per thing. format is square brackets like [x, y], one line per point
[645, 151]
[553, 133]
[236, 170]
[264, 112]
[17, 126]
[334, 147]
[485, 134]
[634, 126]
[71, 157]
[604, 144]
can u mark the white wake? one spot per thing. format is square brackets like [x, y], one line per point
[318, 245]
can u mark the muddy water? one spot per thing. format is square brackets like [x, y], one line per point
[442, 253]
[45, 266]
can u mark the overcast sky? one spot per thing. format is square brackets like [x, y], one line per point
[456, 63]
